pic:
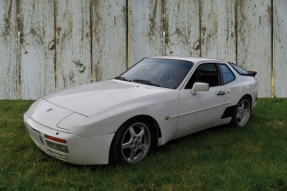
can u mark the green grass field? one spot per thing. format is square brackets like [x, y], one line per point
[221, 158]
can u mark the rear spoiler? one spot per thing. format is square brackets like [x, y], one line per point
[249, 73]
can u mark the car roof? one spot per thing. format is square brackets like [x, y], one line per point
[195, 60]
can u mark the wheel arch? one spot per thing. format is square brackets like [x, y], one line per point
[155, 126]
[154, 123]
[249, 96]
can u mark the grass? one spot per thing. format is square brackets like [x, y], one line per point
[253, 157]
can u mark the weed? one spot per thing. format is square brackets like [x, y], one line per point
[253, 157]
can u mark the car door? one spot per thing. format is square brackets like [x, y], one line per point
[206, 106]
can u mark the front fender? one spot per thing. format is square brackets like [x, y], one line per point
[158, 106]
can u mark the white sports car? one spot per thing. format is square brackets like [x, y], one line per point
[157, 100]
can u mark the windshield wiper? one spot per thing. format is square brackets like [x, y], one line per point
[122, 78]
[145, 82]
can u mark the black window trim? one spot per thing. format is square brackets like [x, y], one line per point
[201, 63]
[222, 74]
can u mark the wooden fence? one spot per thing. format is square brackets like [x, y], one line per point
[47, 46]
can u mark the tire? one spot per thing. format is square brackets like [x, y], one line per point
[133, 141]
[242, 112]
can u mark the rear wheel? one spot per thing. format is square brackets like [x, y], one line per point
[133, 141]
[242, 112]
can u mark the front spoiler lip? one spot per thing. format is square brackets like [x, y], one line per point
[54, 153]
[92, 150]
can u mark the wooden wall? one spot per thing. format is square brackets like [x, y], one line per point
[47, 46]
[9, 51]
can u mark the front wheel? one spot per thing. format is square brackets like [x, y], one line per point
[242, 112]
[133, 141]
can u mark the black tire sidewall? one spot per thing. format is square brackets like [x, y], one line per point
[115, 151]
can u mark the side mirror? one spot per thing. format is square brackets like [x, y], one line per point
[198, 86]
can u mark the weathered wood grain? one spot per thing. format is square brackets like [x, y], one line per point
[145, 30]
[255, 41]
[218, 39]
[73, 51]
[280, 49]
[182, 28]
[37, 48]
[109, 38]
[9, 72]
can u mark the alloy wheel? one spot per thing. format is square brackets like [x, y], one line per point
[135, 142]
[243, 112]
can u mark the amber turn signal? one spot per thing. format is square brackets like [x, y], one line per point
[55, 139]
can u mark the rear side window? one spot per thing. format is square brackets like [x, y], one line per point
[227, 75]
[238, 69]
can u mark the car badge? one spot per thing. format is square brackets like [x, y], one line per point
[50, 109]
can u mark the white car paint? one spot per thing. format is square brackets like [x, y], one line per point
[96, 97]
[192, 108]
[88, 116]
[83, 150]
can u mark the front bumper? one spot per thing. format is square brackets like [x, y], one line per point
[81, 150]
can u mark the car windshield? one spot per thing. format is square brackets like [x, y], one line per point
[167, 73]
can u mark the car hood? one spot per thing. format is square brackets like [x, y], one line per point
[92, 98]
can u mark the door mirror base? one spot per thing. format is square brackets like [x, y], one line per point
[199, 86]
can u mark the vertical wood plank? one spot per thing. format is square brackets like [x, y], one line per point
[37, 48]
[218, 39]
[9, 72]
[145, 30]
[280, 49]
[182, 32]
[109, 38]
[73, 51]
[255, 41]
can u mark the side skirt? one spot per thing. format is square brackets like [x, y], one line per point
[202, 127]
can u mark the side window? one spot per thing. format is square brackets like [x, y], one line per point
[238, 69]
[206, 73]
[227, 75]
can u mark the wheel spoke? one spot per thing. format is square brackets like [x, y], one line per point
[238, 115]
[242, 106]
[141, 134]
[132, 131]
[132, 155]
[143, 147]
[127, 145]
[238, 109]
[245, 111]
[239, 119]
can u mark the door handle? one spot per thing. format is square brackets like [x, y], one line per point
[220, 93]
